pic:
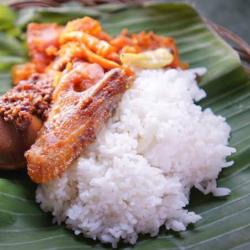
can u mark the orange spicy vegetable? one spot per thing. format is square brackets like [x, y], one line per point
[95, 58]
[52, 47]
[40, 37]
[86, 24]
[100, 47]
[135, 43]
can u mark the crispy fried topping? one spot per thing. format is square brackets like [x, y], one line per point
[31, 97]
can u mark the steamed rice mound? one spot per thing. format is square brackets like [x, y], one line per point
[138, 174]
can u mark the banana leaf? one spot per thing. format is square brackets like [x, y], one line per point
[225, 222]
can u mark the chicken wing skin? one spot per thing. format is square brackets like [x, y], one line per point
[73, 123]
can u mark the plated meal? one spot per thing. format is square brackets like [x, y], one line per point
[111, 130]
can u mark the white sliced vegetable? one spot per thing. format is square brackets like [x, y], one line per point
[153, 59]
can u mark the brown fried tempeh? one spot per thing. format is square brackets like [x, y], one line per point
[22, 111]
[28, 98]
[73, 124]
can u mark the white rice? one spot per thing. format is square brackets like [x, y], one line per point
[138, 175]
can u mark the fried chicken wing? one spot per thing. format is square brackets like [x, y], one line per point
[73, 124]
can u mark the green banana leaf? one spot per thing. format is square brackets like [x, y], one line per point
[225, 222]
